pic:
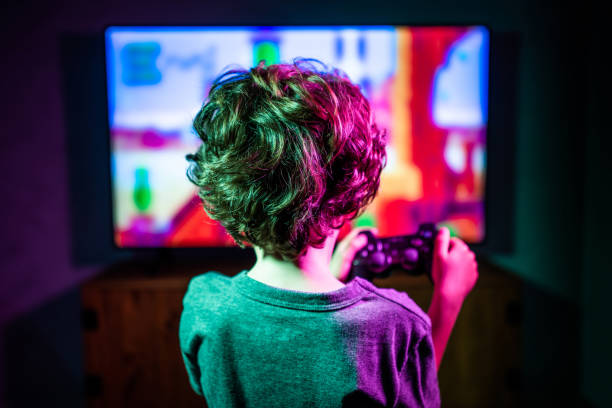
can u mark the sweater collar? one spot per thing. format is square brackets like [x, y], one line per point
[351, 293]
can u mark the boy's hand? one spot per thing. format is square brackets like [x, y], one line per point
[346, 250]
[455, 270]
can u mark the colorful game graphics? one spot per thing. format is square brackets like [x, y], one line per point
[428, 87]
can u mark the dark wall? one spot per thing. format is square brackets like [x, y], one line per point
[561, 167]
[550, 150]
[597, 263]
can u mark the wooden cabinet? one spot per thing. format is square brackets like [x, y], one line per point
[132, 358]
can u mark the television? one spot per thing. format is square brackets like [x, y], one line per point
[428, 86]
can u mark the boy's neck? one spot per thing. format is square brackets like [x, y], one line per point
[310, 273]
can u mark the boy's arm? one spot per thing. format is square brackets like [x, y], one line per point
[189, 339]
[443, 313]
[454, 273]
[419, 377]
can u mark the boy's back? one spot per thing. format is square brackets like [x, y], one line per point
[263, 346]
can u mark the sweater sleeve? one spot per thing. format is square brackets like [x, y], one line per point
[419, 377]
[189, 338]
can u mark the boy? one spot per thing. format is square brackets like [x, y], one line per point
[289, 154]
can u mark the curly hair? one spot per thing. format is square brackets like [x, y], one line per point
[288, 153]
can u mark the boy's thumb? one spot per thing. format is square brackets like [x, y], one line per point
[442, 242]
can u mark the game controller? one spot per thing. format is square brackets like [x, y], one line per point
[412, 253]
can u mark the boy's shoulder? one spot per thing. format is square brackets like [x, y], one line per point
[202, 286]
[397, 299]
[210, 279]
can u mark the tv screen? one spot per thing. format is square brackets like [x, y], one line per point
[428, 87]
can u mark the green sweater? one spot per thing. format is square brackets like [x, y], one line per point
[245, 343]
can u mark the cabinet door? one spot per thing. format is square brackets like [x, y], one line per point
[131, 343]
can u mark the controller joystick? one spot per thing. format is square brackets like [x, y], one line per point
[409, 258]
[411, 253]
[378, 262]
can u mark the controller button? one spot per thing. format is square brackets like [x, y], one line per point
[364, 253]
[379, 246]
[426, 234]
[416, 242]
[370, 247]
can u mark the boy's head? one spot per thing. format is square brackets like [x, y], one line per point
[289, 153]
